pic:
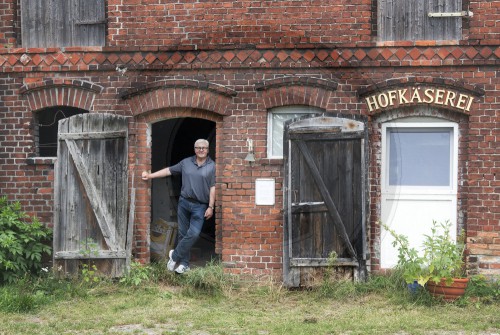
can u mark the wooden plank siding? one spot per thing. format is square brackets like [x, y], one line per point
[408, 20]
[331, 180]
[58, 23]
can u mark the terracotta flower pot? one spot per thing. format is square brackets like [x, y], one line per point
[448, 292]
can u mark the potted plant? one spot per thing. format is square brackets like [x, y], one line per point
[439, 266]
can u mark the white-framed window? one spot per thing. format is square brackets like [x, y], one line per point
[419, 176]
[419, 157]
[276, 119]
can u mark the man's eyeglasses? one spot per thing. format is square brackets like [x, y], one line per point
[201, 148]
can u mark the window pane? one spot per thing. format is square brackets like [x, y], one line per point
[419, 158]
[276, 121]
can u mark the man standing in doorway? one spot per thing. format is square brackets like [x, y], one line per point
[196, 202]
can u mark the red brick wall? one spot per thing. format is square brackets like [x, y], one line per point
[241, 24]
[7, 19]
[19, 178]
[262, 24]
[484, 25]
[233, 81]
[208, 24]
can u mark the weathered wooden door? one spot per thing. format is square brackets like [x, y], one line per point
[411, 20]
[59, 23]
[90, 219]
[325, 201]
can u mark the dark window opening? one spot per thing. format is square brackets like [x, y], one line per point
[46, 126]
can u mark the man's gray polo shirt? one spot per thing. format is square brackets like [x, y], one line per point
[196, 180]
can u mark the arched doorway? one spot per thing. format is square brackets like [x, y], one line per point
[172, 141]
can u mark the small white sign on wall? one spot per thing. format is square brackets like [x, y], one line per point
[264, 191]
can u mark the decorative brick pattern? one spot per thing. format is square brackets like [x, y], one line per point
[79, 59]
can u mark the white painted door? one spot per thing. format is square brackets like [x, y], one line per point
[419, 180]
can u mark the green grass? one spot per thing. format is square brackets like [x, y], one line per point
[207, 302]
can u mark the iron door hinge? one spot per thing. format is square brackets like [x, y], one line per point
[464, 13]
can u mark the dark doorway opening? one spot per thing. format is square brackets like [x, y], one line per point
[172, 141]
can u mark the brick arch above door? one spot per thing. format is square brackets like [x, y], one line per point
[61, 92]
[195, 94]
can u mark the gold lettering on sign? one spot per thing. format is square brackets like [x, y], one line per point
[402, 96]
[450, 99]
[415, 95]
[429, 96]
[419, 95]
[461, 101]
[382, 100]
[471, 99]
[439, 97]
[372, 103]
[392, 97]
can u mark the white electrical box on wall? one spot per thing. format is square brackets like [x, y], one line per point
[264, 191]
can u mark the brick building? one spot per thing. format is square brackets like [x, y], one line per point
[414, 87]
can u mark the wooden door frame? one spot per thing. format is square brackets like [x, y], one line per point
[328, 126]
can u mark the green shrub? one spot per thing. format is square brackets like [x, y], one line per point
[21, 242]
[441, 257]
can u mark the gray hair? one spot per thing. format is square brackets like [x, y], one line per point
[201, 141]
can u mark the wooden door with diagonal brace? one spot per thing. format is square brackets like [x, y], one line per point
[91, 194]
[325, 196]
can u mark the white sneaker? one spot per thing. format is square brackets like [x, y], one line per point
[181, 269]
[171, 262]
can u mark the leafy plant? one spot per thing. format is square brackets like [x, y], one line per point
[487, 291]
[137, 274]
[89, 248]
[90, 274]
[441, 257]
[22, 243]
